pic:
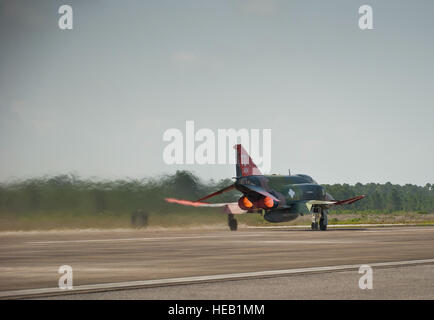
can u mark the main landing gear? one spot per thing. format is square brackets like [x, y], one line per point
[232, 222]
[319, 218]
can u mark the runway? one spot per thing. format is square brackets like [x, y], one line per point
[145, 259]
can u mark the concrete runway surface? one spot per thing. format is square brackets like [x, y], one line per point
[267, 263]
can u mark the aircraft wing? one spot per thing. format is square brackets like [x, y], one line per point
[229, 207]
[335, 202]
[312, 202]
[349, 201]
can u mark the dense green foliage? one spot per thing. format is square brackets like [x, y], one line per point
[68, 193]
[385, 197]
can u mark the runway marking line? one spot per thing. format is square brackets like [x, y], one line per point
[339, 226]
[197, 279]
[334, 225]
[143, 239]
[301, 241]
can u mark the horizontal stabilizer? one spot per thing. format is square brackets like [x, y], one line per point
[260, 191]
[229, 188]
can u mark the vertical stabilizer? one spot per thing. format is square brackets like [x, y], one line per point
[245, 165]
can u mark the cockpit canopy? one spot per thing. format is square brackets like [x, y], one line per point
[306, 178]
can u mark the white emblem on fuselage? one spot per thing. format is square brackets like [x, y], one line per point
[291, 193]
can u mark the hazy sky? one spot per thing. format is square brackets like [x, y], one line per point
[344, 105]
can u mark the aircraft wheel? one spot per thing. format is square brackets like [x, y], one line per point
[323, 221]
[322, 226]
[233, 223]
[314, 226]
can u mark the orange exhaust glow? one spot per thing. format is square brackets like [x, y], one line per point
[247, 203]
[268, 202]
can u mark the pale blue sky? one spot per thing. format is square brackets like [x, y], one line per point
[344, 105]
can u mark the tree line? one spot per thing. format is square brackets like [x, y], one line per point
[386, 197]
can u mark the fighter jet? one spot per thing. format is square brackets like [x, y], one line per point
[279, 198]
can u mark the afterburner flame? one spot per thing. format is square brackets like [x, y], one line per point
[268, 202]
[247, 203]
